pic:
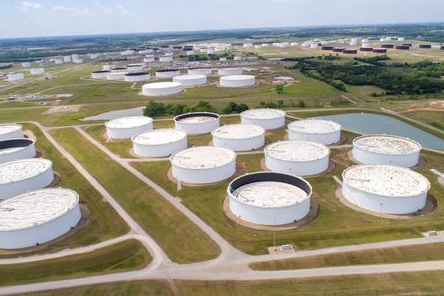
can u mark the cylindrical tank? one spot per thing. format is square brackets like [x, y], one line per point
[190, 80]
[15, 149]
[167, 73]
[197, 123]
[161, 89]
[237, 81]
[239, 137]
[10, 131]
[160, 143]
[137, 77]
[128, 127]
[315, 130]
[267, 118]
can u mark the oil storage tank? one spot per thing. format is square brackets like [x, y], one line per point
[14, 149]
[385, 189]
[299, 158]
[37, 217]
[19, 176]
[386, 149]
[158, 89]
[239, 137]
[190, 80]
[237, 81]
[160, 143]
[197, 123]
[315, 130]
[269, 198]
[10, 131]
[267, 118]
[203, 165]
[128, 127]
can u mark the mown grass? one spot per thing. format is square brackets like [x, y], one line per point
[181, 240]
[415, 253]
[124, 256]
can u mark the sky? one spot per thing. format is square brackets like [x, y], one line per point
[85, 17]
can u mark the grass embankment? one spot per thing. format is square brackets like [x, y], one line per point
[124, 256]
[415, 283]
[104, 223]
[379, 256]
[335, 225]
[181, 240]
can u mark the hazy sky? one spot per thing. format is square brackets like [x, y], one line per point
[50, 17]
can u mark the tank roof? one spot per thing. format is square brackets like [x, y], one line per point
[160, 85]
[238, 131]
[297, 151]
[203, 157]
[237, 77]
[314, 126]
[262, 113]
[35, 208]
[9, 128]
[386, 144]
[270, 194]
[386, 180]
[129, 122]
[159, 137]
[23, 169]
[189, 77]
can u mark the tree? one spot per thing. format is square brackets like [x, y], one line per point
[279, 89]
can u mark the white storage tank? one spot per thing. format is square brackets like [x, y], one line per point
[137, 76]
[386, 149]
[118, 69]
[19, 176]
[37, 71]
[116, 75]
[197, 123]
[161, 89]
[12, 77]
[148, 60]
[230, 71]
[385, 189]
[265, 117]
[160, 143]
[37, 217]
[10, 131]
[14, 149]
[128, 127]
[134, 68]
[269, 198]
[100, 74]
[165, 59]
[167, 73]
[203, 165]
[200, 71]
[315, 130]
[299, 158]
[190, 80]
[237, 81]
[239, 137]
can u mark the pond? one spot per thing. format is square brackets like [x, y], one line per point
[368, 123]
[116, 114]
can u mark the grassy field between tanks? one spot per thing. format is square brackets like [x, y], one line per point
[418, 253]
[124, 256]
[104, 223]
[335, 225]
[413, 283]
[181, 240]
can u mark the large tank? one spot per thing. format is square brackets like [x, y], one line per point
[267, 118]
[37, 71]
[135, 68]
[37, 217]
[137, 76]
[200, 71]
[128, 127]
[167, 73]
[230, 71]
[100, 74]
[269, 198]
[166, 59]
[14, 149]
[314, 130]
[116, 75]
[197, 123]
[160, 143]
[190, 80]
[19, 176]
[10, 131]
[237, 81]
[385, 189]
[203, 165]
[161, 89]
[386, 149]
[299, 158]
[239, 137]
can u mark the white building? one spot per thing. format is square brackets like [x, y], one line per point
[385, 189]
[268, 198]
[239, 137]
[20, 176]
[203, 165]
[386, 149]
[15, 149]
[37, 217]
[314, 130]
[299, 158]
[160, 143]
[128, 127]
[197, 123]
[267, 118]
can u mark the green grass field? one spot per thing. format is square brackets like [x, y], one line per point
[179, 237]
[125, 256]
